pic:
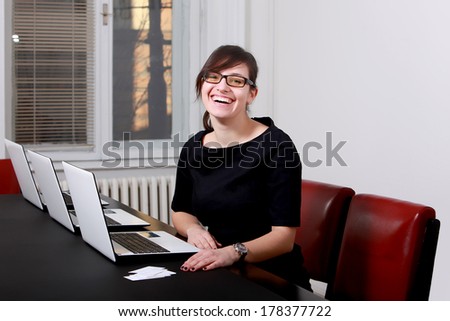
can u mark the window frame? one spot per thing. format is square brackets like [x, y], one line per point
[160, 154]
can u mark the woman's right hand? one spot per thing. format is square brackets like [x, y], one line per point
[201, 238]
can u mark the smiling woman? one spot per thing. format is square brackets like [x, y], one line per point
[237, 194]
[227, 57]
[226, 106]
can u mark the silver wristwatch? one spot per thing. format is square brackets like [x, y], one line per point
[241, 249]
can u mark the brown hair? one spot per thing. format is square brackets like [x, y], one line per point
[225, 57]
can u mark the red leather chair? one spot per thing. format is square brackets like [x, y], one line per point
[323, 212]
[8, 179]
[387, 252]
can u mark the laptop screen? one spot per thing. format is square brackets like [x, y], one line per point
[23, 172]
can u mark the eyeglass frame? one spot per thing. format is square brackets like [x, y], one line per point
[246, 80]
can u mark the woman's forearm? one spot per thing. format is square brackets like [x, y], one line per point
[183, 221]
[279, 241]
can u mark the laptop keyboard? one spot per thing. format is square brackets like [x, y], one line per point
[137, 244]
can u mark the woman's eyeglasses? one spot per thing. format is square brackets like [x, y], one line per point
[232, 80]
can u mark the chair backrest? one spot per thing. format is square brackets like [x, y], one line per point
[387, 252]
[323, 212]
[8, 179]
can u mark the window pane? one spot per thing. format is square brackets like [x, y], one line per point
[142, 69]
[53, 74]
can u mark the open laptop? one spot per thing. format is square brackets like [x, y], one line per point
[28, 187]
[57, 204]
[93, 227]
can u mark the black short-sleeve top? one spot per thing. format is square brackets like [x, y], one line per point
[240, 192]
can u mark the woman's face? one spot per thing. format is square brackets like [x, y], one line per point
[225, 102]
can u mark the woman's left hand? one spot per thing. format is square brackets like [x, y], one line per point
[209, 259]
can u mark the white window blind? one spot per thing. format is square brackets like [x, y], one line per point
[53, 75]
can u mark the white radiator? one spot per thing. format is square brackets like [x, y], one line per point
[151, 195]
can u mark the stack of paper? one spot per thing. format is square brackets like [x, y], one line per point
[149, 272]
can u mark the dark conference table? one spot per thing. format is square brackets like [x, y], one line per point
[41, 260]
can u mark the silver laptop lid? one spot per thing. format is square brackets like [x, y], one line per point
[87, 204]
[23, 172]
[48, 181]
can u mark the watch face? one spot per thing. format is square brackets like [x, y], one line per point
[241, 248]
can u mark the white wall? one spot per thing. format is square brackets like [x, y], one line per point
[375, 74]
